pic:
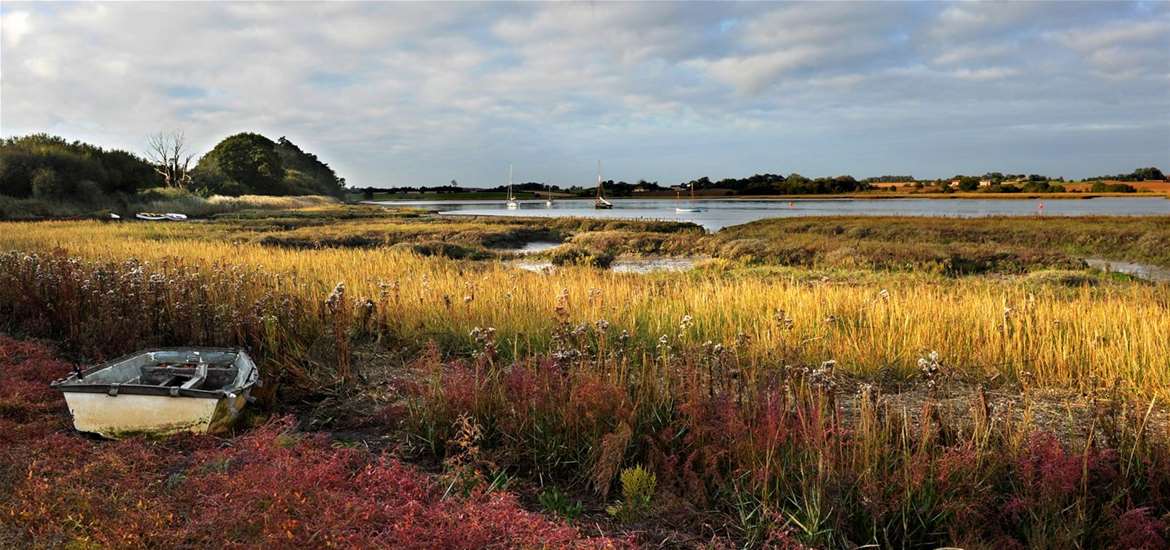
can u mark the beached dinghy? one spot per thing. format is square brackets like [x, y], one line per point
[155, 217]
[161, 391]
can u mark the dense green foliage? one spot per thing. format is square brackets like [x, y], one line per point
[46, 176]
[1102, 187]
[1141, 174]
[248, 163]
[776, 184]
[48, 167]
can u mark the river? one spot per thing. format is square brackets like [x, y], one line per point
[716, 214]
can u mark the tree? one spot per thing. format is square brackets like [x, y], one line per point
[1150, 173]
[167, 151]
[47, 184]
[304, 173]
[243, 163]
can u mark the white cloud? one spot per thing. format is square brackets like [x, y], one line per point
[15, 26]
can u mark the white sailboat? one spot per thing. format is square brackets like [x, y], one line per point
[548, 201]
[600, 201]
[691, 207]
[511, 204]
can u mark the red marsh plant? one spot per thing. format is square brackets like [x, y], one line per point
[778, 453]
[272, 487]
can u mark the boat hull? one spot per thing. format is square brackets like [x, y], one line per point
[161, 391]
[123, 415]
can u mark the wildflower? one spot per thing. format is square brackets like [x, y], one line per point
[686, 322]
[335, 297]
[866, 391]
[602, 325]
[931, 369]
[485, 340]
[783, 320]
[884, 295]
[742, 339]
[823, 377]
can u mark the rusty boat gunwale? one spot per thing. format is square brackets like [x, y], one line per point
[72, 384]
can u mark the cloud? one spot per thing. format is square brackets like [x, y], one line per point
[989, 73]
[1122, 49]
[15, 26]
[409, 94]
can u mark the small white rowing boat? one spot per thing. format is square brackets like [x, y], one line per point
[155, 217]
[161, 391]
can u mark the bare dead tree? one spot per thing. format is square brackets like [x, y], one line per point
[167, 151]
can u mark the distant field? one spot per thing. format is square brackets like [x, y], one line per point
[1152, 186]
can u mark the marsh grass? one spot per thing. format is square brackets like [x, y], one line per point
[1076, 337]
[953, 246]
[728, 384]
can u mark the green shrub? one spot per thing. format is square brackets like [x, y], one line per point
[576, 255]
[638, 485]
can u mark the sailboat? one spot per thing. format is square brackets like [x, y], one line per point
[548, 201]
[512, 204]
[600, 201]
[690, 208]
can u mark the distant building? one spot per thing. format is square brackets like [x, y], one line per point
[984, 183]
[953, 185]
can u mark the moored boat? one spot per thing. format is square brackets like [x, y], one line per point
[692, 207]
[161, 391]
[511, 204]
[600, 202]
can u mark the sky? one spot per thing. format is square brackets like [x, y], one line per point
[393, 94]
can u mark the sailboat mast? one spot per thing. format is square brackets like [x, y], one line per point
[599, 179]
[509, 181]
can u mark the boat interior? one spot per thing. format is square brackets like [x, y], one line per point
[184, 369]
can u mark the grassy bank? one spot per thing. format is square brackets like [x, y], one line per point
[968, 245]
[153, 200]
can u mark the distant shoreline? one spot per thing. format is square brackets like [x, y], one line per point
[842, 196]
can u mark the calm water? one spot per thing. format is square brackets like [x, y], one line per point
[717, 214]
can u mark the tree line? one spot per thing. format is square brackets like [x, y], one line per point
[49, 167]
